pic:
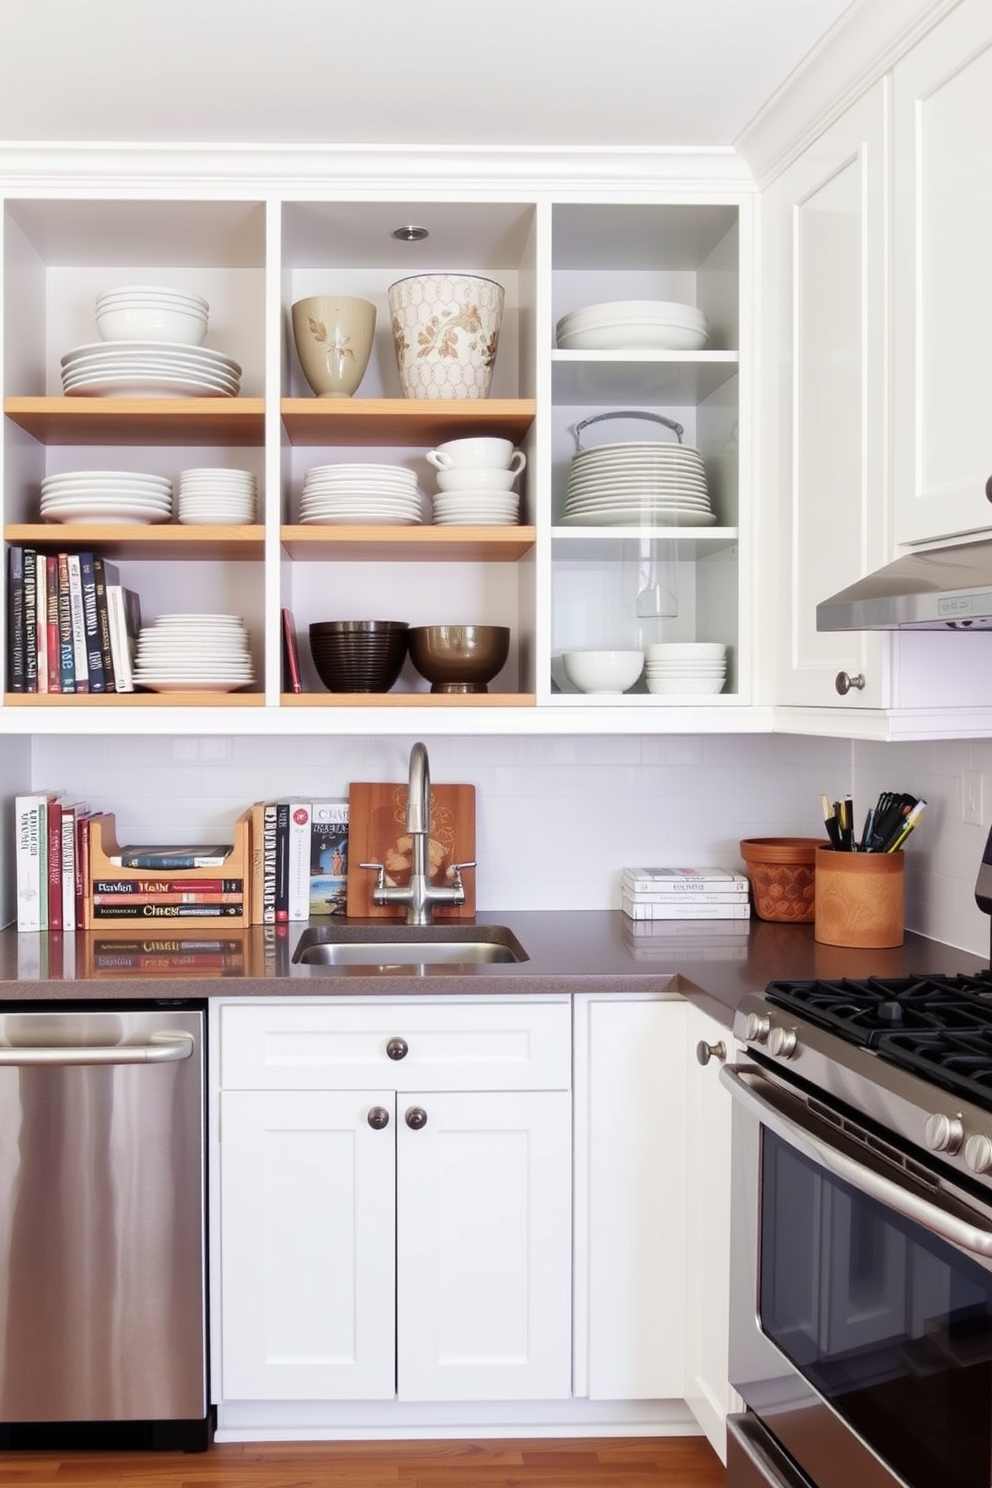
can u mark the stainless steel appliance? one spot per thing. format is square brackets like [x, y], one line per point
[102, 1226]
[861, 1292]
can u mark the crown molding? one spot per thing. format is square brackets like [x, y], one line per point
[72, 167]
[859, 49]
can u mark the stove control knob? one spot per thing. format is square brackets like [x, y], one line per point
[943, 1133]
[756, 1028]
[978, 1154]
[782, 1042]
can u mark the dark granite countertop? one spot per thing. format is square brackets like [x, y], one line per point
[568, 951]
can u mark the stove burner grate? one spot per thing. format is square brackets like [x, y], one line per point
[959, 1062]
[864, 1011]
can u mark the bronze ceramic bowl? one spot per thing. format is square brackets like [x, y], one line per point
[459, 658]
[358, 655]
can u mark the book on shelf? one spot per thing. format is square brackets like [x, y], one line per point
[135, 887]
[31, 858]
[41, 620]
[183, 896]
[685, 909]
[80, 662]
[292, 681]
[30, 620]
[15, 618]
[124, 614]
[298, 861]
[140, 910]
[688, 930]
[328, 857]
[282, 862]
[52, 622]
[182, 855]
[91, 624]
[53, 819]
[685, 880]
[666, 896]
[67, 667]
[104, 573]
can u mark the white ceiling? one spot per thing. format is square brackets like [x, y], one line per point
[510, 73]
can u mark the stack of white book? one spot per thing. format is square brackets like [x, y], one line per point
[649, 894]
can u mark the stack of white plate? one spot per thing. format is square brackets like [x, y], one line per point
[476, 509]
[227, 497]
[148, 369]
[633, 325]
[120, 496]
[617, 485]
[201, 653]
[683, 667]
[371, 494]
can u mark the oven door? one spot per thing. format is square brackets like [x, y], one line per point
[861, 1300]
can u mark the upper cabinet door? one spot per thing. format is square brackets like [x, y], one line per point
[825, 418]
[943, 289]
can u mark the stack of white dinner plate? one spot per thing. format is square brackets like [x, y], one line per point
[633, 325]
[149, 369]
[683, 667]
[122, 496]
[193, 653]
[648, 484]
[227, 497]
[373, 494]
[476, 508]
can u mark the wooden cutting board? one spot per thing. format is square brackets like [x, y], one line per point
[377, 834]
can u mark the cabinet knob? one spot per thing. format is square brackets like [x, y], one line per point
[416, 1118]
[844, 682]
[705, 1052]
[988, 489]
[397, 1048]
[378, 1118]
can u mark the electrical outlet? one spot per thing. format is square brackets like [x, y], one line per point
[972, 798]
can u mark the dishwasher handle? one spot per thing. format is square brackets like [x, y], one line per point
[161, 1048]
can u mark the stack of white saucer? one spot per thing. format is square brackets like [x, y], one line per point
[226, 497]
[681, 667]
[202, 653]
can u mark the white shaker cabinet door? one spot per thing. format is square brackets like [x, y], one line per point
[707, 1390]
[825, 293]
[484, 1246]
[942, 372]
[630, 1153]
[307, 1245]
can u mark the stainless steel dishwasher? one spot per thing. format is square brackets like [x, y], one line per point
[102, 1226]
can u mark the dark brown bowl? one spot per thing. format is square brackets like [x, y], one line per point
[459, 658]
[359, 661]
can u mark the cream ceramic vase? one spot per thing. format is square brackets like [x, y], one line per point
[446, 331]
[334, 335]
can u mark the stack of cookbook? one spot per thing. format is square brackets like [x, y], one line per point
[652, 894]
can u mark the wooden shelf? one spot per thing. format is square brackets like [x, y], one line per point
[191, 699]
[185, 421]
[168, 540]
[427, 421]
[438, 700]
[409, 544]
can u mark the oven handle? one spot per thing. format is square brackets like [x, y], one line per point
[874, 1185]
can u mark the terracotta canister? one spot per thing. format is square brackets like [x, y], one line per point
[781, 872]
[859, 898]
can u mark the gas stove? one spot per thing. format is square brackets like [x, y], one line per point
[913, 1055]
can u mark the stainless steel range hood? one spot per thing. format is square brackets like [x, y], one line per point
[943, 589]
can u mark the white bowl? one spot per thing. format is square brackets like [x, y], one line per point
[475, 478]
[685, 650]
[153, 323]
[153, 292]
[633, 337]
[685, 687]
[499, 454]
[602, 671]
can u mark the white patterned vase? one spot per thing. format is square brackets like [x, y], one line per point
[445, 331]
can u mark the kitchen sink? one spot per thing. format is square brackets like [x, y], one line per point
[390, 946]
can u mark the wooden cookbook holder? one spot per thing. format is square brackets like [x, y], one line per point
[103, 846]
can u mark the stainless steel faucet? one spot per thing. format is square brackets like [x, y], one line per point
[419, 896]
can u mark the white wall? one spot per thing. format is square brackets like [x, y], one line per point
[557, 818]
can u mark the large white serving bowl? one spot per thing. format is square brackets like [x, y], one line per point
[602, 671]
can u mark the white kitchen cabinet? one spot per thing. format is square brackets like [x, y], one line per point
[824, 271]
[630, 1176]
[395, 1191]
[707, 1277]
[942, 381]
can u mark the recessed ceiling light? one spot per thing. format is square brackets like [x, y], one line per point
[409, 234]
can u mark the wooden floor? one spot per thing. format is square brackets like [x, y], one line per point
[638, 1462]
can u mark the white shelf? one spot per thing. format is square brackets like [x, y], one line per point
[669, 377]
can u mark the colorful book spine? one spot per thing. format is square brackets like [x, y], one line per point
[328, 857]
[67, 669]
[187, 896]
[145, 911]
[104, 573]
[54, 830]
[91, 624]
[52, 616]
[136, 887]
[30, 623]
[79, 658]
[15, 618]
[282, 862]
[270, 853]
[41, 620]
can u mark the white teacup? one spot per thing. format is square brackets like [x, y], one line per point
[497, 454]
[475, 478]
